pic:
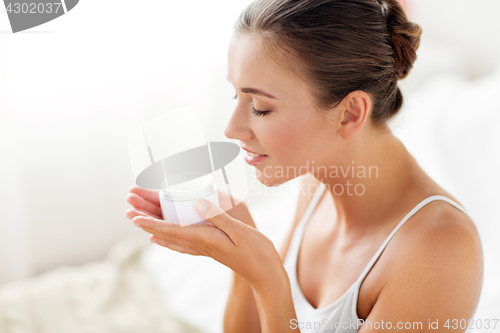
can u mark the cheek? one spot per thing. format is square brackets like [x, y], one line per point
[288, 140]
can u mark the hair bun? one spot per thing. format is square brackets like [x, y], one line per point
[404, 37]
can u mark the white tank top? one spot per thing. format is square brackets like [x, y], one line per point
[341, 315]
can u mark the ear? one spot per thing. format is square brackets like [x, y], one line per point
[354, 112]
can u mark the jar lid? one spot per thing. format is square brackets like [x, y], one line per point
[190, 190]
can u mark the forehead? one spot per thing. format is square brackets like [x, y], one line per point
[252, 63]
[247, 53]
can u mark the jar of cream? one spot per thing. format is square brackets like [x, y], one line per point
[177, 201]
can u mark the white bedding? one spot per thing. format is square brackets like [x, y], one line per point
[116, 295]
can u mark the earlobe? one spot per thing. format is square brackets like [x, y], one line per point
[354, 114]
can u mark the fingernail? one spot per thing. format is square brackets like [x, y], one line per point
[134, 221]
[128, 216]
[201, 204]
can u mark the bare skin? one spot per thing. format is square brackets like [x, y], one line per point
[431, 269]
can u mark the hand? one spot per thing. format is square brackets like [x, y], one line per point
[239, 212]
[232, 242]
[147, 203]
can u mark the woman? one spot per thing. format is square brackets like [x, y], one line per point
[382, 246]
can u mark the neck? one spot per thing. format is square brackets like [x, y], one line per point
[369, 184]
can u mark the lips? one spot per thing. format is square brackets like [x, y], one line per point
[253, 158]
[251, 152]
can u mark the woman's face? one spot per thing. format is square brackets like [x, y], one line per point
[293, 134]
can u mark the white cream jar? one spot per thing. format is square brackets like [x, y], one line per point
[177, 201]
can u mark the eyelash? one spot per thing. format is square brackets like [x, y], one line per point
[256, 112]
[260, 113]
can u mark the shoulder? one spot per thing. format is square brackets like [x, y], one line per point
[436, 268]
[441, 242]
[441, 230]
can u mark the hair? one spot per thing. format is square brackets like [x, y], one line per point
[340, 46]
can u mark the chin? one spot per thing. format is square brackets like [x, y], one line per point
[271, 181]
[272, 175]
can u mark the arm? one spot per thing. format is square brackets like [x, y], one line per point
[238, 246]
[242, 312]
[436, 280]
[267, 308]
[275, 305]
[271, 299]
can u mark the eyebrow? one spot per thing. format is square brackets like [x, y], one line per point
[256, 91]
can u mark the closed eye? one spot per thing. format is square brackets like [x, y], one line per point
[260, 113]
[256, 112]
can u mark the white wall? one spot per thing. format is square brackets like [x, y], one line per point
[472, 28]
[73, 89]
[70, 93]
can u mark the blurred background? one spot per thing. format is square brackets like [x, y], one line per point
[73, 89]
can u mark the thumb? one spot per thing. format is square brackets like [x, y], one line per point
[215, 215]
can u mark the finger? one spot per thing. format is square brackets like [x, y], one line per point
[173, 246]
[224, 200]
[131, 213]
[144, 205]
[149, 195]
[173, 230]
[165, 233]
[218, 217]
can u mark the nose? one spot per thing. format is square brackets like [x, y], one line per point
[238, 128]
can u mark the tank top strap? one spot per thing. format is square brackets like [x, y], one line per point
[312, 206]
[406, 218]
[299, 229]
